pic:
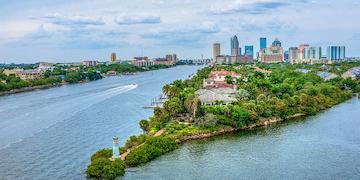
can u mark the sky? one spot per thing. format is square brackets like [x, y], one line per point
[68, 31]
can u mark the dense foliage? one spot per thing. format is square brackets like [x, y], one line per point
[8, 83]
[152, 148]
[102, 167]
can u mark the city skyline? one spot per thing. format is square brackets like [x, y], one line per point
[53, 31]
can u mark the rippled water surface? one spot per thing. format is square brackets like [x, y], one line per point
[50, 134]
[325, 146]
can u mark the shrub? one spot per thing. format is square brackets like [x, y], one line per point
[103, 153]
[103, 168]
[209, 120]
[152, 148]
[240, 115]
[135, 141]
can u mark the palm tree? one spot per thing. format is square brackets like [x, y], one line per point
[144, 125]
[166, 89]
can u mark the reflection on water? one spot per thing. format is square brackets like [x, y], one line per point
[50, 134]
[326, 146]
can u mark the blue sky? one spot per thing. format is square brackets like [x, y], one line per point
[65, 31]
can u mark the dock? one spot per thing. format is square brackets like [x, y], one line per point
[156, 102]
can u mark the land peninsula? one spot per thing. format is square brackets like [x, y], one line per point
[227, 98]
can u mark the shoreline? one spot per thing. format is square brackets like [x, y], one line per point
[29, 89]
[41, 87]
[227, 130]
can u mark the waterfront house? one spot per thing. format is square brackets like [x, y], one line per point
[353, 73]
[217, 79]
[24, 74]
[45, 66]
[29, 74]
[111, 73]
[216, 96]
[90, 63]
[326, 75]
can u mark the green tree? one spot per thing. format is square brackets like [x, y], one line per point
[166, 89]
[229, 79]
[103, 168]
[144, 125]
[242, 94]
[240, 115]
[349, 84]
[174, 106]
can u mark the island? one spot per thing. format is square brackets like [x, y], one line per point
[220, 99]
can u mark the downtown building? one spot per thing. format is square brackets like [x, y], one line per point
[293, 54]
[249, 51]
[272, 54]
[216, 50]
[313, 54]
[335, 53]
[235, 57]
[262, 43]
[234, 46]
[113, 57]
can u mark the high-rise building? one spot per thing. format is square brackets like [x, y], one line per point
[286, 56]
[216, 50]
[249, 51]
[312, 53]
[335, 52]
[113, 57]
[234, 46]
[262, 43]
[171, 57]
[301, 51]
[272, 54]
[276, 42]
[293, 54]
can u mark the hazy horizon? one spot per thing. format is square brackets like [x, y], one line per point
[54, 31]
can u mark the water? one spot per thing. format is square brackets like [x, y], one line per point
[325, 146]
[51, 134]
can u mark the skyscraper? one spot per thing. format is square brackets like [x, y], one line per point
[293, 54]
[216, 50]
[262, 43]
[249, 51]
[276, 42]
[301, 51]
[272, 54]
[234, 46]
[286, 56]
[171, 57]
[335, 52]
[312, 53]
[113, 57]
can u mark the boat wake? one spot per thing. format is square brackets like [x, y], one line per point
[16, 129]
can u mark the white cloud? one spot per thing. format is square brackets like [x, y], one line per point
[60, 19]
[137, 19]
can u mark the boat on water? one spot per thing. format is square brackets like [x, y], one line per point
[129, 73]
